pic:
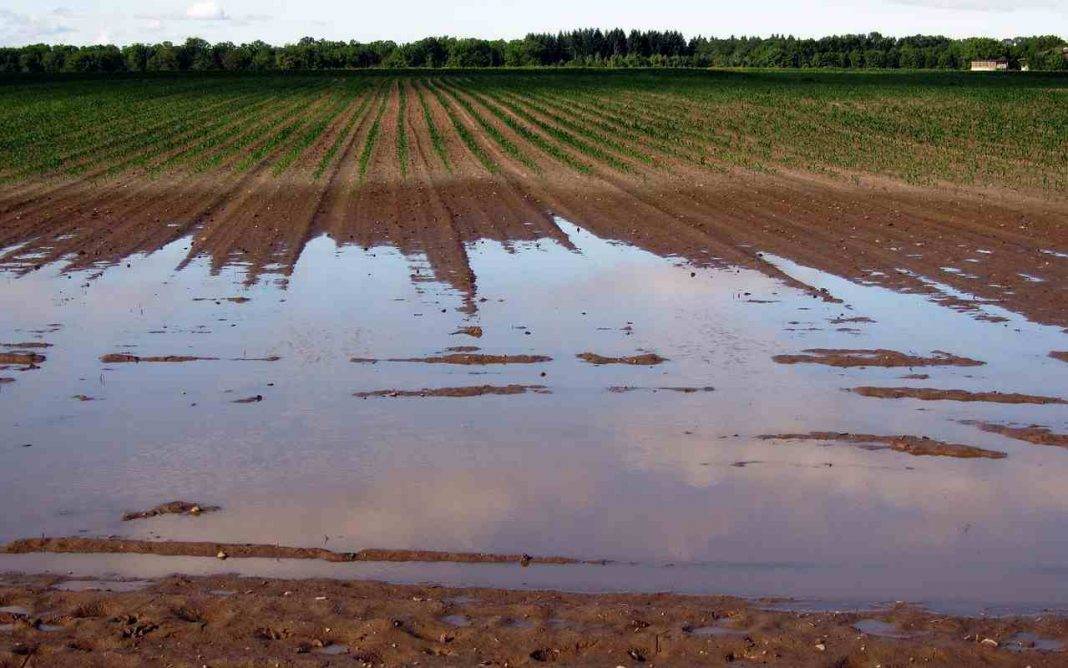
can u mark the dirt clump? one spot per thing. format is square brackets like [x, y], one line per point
[931, 394]
[171, 508]
[473, 331]
[879, 357]
[644, 359]
[1037, 434]
[621, 389]
[249, 400]
[912, 445]
[464, 358]
[126, 358]
[23, 358]
[462, 392]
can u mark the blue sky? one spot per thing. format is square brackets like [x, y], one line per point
[280, 21]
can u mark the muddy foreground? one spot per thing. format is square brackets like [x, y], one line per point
[229, 621]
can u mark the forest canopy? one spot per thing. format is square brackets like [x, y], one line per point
[576, 48]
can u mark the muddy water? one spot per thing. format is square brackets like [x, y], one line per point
[656, 478]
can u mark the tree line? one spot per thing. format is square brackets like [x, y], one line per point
[581, 48]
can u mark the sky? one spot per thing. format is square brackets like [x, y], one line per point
[281, 21]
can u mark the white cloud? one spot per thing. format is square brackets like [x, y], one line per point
[206, 11]
[18, 29]
[979, 5]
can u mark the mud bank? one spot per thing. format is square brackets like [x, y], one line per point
[644, 359]
[458, 392]
[170, 508]
[877, 357]
[931, 394]
[912, 445]
[1036, 434]
[228, 620]
[246, 550]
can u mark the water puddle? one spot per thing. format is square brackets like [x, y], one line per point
[632, 456]
[333, 649]
[877, 627]
[456, 620]
[1026, 641]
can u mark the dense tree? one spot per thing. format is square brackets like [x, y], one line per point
[588, 47]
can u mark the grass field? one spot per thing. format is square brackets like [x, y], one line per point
[962, 128]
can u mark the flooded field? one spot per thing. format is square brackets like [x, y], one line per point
[707, 428]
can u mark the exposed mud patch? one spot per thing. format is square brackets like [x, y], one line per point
[218, 300]
[912, 445]
[1061, 355]
[876, 357]
[470, 391]
[932, 394]
[645, 359]
[26, 345]
[125, 358]
[1037, 434]
[857, 319]
[249, 400]
[171, 508]
[464, 358]
[473, 331]
[620, 389]
[23, 358]
[250, 550]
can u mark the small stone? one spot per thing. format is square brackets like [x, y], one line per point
[821, 646]
[222, 555]
[990, 641]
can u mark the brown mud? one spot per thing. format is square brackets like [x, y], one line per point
[912, 445]
[1061, 355]
[27, 359]
[125, 358]
[463, 359]
[645, 359]
[877, 357]
[170, 548]
[230, 621]
[171, 508]
[620, 389]
[931, 394]
[461, 392]
[1036, 434]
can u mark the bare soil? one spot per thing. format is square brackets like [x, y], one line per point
[466, 359]
[878, 357]
[171, 508]
[88, 545]
[459, 392]
[931, 394]
[912, 445]
[231, 621]
[645, 359]
[1036, 434]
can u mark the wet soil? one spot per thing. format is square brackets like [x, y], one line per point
[27, 359]
[125, 358]
[86, 545]
[877, 358]
[466, 359]
[1036, 434]
[460, 392]
[228, 620]
[931, 394]
[1061, 355]
[645, 359]
[912, 445]
[171, 508]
